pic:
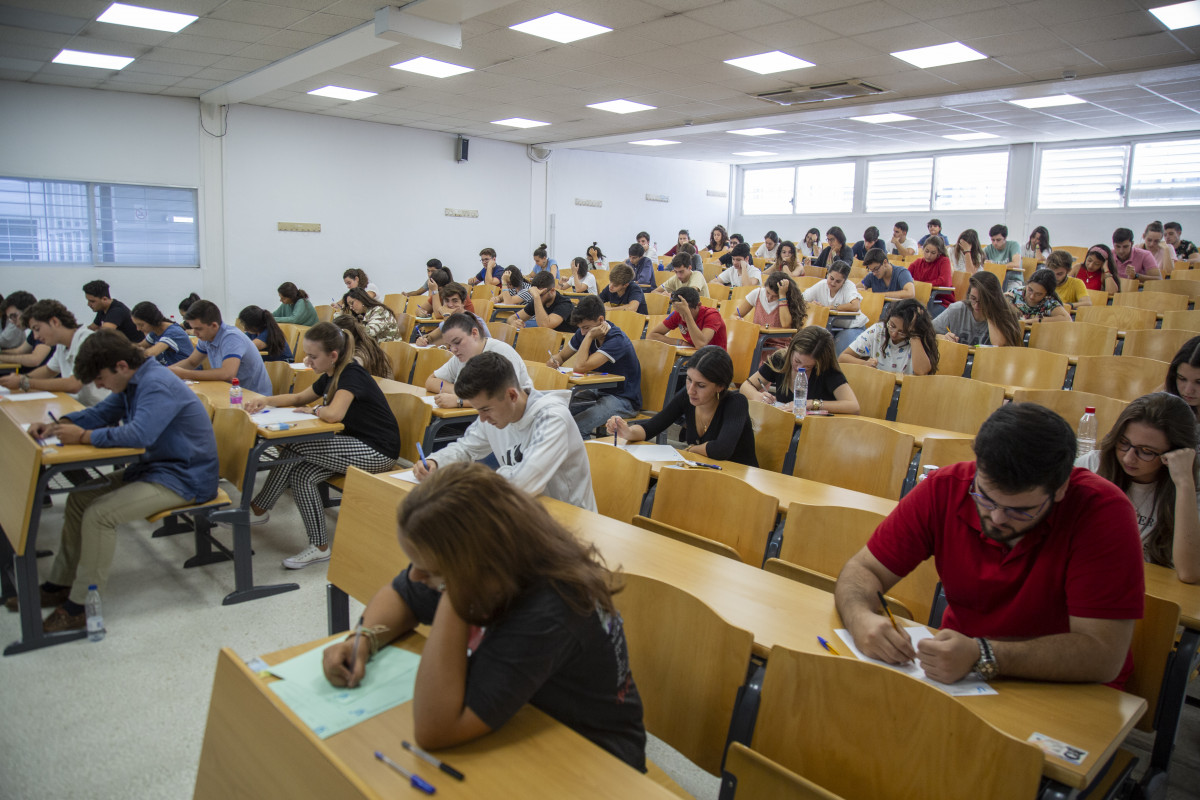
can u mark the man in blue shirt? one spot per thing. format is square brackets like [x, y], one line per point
[231, 352]
[895, 282]
[603, 348]
[148, 408]
[934, 226]
[622, 291]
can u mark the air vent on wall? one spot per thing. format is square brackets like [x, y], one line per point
[821, 93]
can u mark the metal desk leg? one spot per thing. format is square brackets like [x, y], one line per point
[1171, 701]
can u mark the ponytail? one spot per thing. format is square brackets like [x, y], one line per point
[260, 320]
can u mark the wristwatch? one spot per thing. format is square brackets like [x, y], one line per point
[460, 402]
[817, 405]
[986, 666]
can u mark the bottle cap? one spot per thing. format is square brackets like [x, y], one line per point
[1089, 409]
[92, 587]
[235, 382]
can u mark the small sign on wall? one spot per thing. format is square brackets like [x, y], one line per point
[717, 193]
[658, 198]
[579, 201]
[300, 227]
[462, 212]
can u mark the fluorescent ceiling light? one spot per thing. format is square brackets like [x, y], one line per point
[341, 93]
[560, 28]
[970, 137]
[655, 142]
[151, 18]
[1049, 100]
[755, 131]
[621, 106]
[81, 59]
[183, 219]
[939, 55]
[766, 63]
[879, 119]
[1180, 15]
[518, 122]
[431, 67]
[755, 153]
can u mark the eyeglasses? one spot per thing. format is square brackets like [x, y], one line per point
[989, 505]
[1143, 453]
[896, 330]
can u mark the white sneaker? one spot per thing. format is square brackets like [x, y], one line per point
[309, 555]
[254, 520]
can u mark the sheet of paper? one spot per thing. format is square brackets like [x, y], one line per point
[4, 390]
[406, 475]
[13, 397]
[916, 633]
[49, 441]
[269, 416]
[299, 367]
[326, 708]
[649, 452]
[428, 399]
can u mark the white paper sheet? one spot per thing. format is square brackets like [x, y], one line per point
[14, 397]
[916, 633]
[269, 416]
[649, 452]
[428, 399]
[406, 475]
[299, 367]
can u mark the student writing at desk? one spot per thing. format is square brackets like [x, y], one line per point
[1041, 563]
[902, 342]
[53, 324]
[984, 317]
[164, 340]
[623, 291]
[148, 408]
[813, 349]
[549, 309]
[265, 333]
[895, 283]
[230, 352]
[294, 306]
[110, 313]
[27, 352]
[602, 346]
[531, 602]
[465, 339]
[716, 419]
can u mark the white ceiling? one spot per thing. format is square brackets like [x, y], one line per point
[1137, 76]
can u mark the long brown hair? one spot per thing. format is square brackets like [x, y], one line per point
[995, 307]
[812, 341]
[972, 239]
[366, 351]
[500, 549]
[332, 339]
[795, 298]
[1175, 419]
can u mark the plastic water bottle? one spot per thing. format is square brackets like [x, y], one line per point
[1085, 439]
[95, 619]
[235, 394]
[800, 394]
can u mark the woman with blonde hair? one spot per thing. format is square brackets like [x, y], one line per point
[813, 350]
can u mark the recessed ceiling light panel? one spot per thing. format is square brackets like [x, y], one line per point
[519, 122]
[342, 93]
[431, 67]
[621, 106]
[755, 131]
[880, 119]
[970, 137]
[655, 142]
[560, 28]
[1180, 15]
[939, 55]
[150, 18]
[767, 63]
[1049, 101]
[79, 58]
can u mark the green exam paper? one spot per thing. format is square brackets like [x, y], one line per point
[327, 709]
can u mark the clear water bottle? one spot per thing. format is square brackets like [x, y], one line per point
[95, 619]
[800, 392]
[235, 394]
[1085, 439]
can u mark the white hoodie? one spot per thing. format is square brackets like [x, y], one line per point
[542, 452]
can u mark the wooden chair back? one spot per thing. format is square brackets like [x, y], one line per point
[816, 315]
[686, 537]
[1020, 366]
[601, 276]
[656, 360]
[718, 291]
[741, 341]
[280, 373]
[688, 663]
[855, 454]
[961, 280]
[772, 434]
[368, 555]
[947, 402]
[708, 302]
[413, 415]
[427, 360]
[728, 309]
[873, 388]
[857, 272]
[405, 323]
[1099, 297]
[208, 405]
[1077, 253]
[503, 331]
[871, 306]
[483, 308]
[1122, 377]
[1186, 283]
[619, 481]
[1161, 345]
[999, 270]
[923, 290]
[19, 470]
[884, 718]
[397, 302]
[235, 433]
[952, 358]
[402, 356]
[546, 378]
[1125, 318]
[298, 345]
[1157, 301]
[808, 280]
[1080, 339]
[657, 303]
[481, 291]
[631, 323]
[1153, 642]
[1070, 403]
[324, 313]
[753, 776]
[819, 272]
[533, 343]
[291, 334]
[303, 379]
[739, 293]
[939, 452]
[716, 506]
[1130, 285]
[1182, 320]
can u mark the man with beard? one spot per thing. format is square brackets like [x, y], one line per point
[1041, 563]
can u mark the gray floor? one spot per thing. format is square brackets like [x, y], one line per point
[124, 718]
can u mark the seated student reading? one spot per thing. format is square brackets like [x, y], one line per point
[740, 272]
[650, 250]
[1038, 246]
[229, 351]
[1099, 270]
[265, 333]
[539, 596]
[1071, 291]
[769, 249]
[1150, 454]
[967, 255]
[367, 354]
[433, 307]
[1002, 251]
[895, 283]
[903, 341]
[549, 308]
[1153, 243]
[811, 349]
[490, 272]
[164, 340]
[601, 347]
[1133, 262]
[1183, 376]
[110, 313]
[870, 241]
[684, 275]
[531, 434]
[463, 336]
[700, 325]
[294, 306]
[451, 299]
[684, 238]
[640, 263]
[542, 262]
[53, 324]
[1038, 299]
[985, 317]
[933, 267]
[1041, 563]
[29, 352]
[370, 439]
[148, 408]
[623, 291]
[374, 316]
[836, 249]
[716, 419]
[726, 259]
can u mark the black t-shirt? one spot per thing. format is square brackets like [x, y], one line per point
[32, 341]
[828, 256]
[632, 292]
[820, 387]
[574, 668]
[118, 314]
[561, 306]
[730, 435]
[369, 418]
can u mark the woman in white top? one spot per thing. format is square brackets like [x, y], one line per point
[770, 246]
[1038, 245]
[812, 244]
[838, 293]
[581, 280]
[595, 257]
[1164, 254]
[967, 254]
[1150, 454]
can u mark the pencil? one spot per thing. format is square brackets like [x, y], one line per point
[888, 611]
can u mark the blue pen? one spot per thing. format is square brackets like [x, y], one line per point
[421, 453]
[414, 779]
[53, 418]
[827, 646]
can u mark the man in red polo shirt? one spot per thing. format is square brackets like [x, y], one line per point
[700, 325]
[1041, 563]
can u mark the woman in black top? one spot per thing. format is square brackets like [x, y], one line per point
[837, 246]
[813, 349]
[716, 419]
[370, 439]
[260, 325]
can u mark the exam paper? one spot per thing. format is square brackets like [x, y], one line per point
[651, 452]
[13, 397]
[48, 441]
[916, 633]
[328, 709]
[428, 400]
[299, 366]
[406, 475]
[270, 416]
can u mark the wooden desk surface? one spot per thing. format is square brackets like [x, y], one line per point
[218, 393]
[1163, 583]
[919, 432]
[30, 411]
[398, 387]
[593, 378]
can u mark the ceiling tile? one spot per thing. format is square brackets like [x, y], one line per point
[737, 15]
[1092, 29]
[677, 30]
[265, 51]
[172, 55]
[864, 18]
[297, 40]
[994, 21]
[233, 31]
[205, 44]
[270, 15]
[325, 24]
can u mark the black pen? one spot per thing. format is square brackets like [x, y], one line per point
[434, 760]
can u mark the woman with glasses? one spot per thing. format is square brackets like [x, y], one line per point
[903, 342]
[1038, 299]
[835, 249]
[984, 317]
[1150, 454]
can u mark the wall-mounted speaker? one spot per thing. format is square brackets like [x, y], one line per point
[460, 149]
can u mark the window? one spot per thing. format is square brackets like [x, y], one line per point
[825, 188]
[971, 181]
[899, 185]
[1165, 174]
[768, 191]
[1083, 177]
[73, 222]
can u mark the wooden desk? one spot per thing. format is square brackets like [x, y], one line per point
[919, 432]
[254, 746]
[26, 469]
[442, 417]
[502, 311]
